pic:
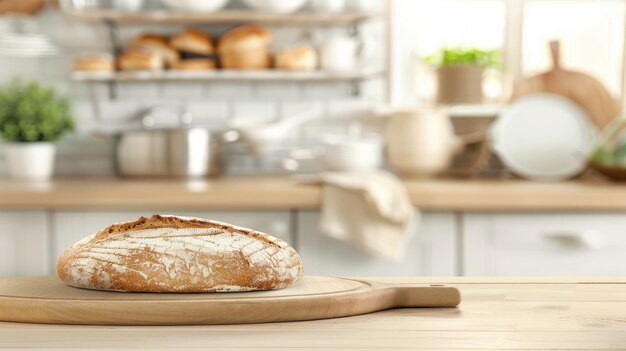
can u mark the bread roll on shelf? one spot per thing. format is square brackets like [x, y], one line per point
[159, 45]
[297, 58]
[139, 60]
[192, 41]
[196, 49]
[245, 47]
[205, 64]
[94, 63]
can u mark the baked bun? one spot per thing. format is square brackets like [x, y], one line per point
[196, 65]
[297, 58]
[192, 41]
[245, 47]
[179, 254]
[94, 63]
[139, 60]
[27, 7]
[159, 45]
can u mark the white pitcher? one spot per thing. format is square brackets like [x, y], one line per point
[421, 142]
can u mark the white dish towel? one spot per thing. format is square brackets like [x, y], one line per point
[369, 210]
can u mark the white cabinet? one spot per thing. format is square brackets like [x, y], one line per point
[24, 243]
[71, 226]
[431, 252]
[554, 244]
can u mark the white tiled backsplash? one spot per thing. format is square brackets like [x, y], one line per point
[211, 103]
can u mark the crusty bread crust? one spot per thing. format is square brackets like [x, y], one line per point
[298, 58]
[244, 38]
[179, 254]
[159, 45]
[93, 63]
[139, 59]
[196, 65]
[192, 40]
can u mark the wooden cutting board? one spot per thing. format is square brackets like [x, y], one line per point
[48, 300]
[583, 89]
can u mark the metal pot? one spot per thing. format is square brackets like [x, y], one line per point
[186, 151]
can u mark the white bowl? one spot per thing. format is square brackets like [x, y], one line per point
[279, 6]
[196, 5]
[344, 154]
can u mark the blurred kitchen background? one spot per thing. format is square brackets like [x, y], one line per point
[497, 121]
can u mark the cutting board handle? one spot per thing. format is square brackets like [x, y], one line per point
[427, 296]
[555, 53]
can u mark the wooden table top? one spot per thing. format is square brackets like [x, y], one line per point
[496, 313]
[271, 193]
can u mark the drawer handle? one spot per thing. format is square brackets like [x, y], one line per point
[589, 239]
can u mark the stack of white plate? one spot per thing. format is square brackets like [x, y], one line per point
[26, 45]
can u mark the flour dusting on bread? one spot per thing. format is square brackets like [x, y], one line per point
[179, 254]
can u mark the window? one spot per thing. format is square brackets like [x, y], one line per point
[591, 34]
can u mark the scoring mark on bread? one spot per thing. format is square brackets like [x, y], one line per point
[178, 222]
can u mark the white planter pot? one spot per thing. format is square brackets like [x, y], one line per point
[32, 161]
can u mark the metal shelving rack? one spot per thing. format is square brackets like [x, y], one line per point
[113, 19]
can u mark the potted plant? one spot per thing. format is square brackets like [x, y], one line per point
[460, 73]
[32, 118]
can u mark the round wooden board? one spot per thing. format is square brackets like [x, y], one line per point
[48, 300]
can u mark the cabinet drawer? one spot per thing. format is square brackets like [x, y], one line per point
[24, 243]
[571, 244]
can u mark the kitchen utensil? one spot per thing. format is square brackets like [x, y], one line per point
[339, 52]
[579, 87]
[329, 5]
[264, 136]
[48, 300]
[278, 6]
[196, 5]
[543, 137]
[180, 151]
[420, 141]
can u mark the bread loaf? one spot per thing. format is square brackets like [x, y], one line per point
[297, 58]
[179, 254]
[196, 65]
[245, 47]
[93, 63]
[192, 41]
[159, 45]
[135, 59]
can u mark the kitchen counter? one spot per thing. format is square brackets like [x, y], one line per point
[496, 313]
[268, 193]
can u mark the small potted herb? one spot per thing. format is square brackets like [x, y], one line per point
[32, 118]
[460, 73]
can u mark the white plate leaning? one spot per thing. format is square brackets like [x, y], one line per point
[543, 137]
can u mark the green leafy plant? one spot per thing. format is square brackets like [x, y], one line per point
[31, 112]
[611, 149]
[465, 56]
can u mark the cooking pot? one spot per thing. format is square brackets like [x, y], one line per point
[183, 151]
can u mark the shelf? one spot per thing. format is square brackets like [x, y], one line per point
[490, 110]
[222, 17]
[225, 75]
